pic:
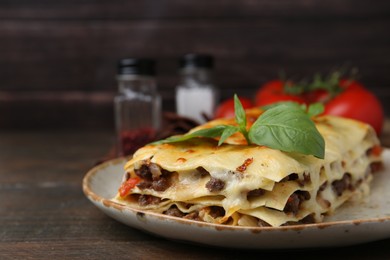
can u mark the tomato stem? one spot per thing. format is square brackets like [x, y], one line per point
[329, 83]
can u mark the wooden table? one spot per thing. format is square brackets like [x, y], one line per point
[44, 213]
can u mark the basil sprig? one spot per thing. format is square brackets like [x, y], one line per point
[285, 126]
[289, 128]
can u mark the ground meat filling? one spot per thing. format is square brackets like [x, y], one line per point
[255, 193]
[306, 179]
[161, 184]
[145, 200]
[262, 223]
[214, 185]
[323, 202]
[309, 219]
[174, 212]
[216, 212]
[376, 166]
[202, 171]
[295, 177]
[193, 216]
[295, 201]
[153, 177]
[213, 211]
[143, 172]
[323, 186]
[339, 186]
[290, 177]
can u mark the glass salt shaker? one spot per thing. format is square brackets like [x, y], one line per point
[137, 105]
[196, 96]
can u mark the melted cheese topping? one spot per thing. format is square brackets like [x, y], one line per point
[346, 145]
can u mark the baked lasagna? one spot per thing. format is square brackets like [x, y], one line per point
[252, 185]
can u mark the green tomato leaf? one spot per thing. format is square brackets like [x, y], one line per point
[288, 128]
[229, 130]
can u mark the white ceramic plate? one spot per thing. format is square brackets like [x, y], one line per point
[351, 224]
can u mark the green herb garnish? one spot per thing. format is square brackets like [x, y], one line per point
[289, 128]
[285, 126]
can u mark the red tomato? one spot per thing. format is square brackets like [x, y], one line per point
[351, 84]
[318, 95]
[358, 103]
[353, 101]
[226, 108]
[128, 185]
[323, 95]
[273, 92]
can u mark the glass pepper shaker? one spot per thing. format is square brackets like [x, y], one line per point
[137, 105]
[196, 96]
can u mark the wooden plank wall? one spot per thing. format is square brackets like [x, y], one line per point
[57, 58]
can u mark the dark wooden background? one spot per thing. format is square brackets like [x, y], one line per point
[57, 58]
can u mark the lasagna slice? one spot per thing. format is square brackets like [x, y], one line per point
[251, 185]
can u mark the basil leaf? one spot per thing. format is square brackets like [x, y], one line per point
[229, 130]
[315, 109]
[240, 117]
[209, 132]
[288, 128]
[239, 111]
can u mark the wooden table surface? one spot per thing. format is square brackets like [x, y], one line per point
[44, 213]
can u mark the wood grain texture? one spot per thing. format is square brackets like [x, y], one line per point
[74, 45]
[168, 9]
[82, 55]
